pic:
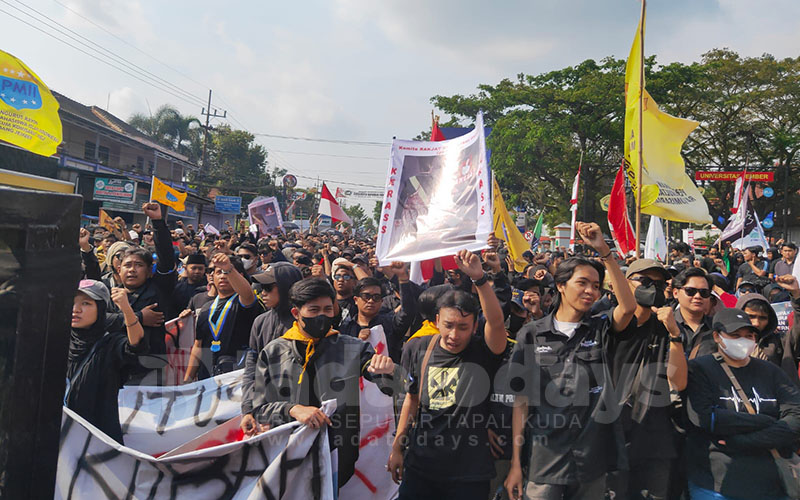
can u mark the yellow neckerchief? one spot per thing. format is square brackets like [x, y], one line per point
[294, 333]
[426, 329]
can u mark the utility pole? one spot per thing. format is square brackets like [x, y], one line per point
[208, 114]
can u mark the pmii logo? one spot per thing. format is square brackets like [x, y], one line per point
[19, 94]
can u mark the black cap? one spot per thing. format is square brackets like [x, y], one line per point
[196, 258]
[731, 319]
[360, 258]
[267, 277]
[348, 251]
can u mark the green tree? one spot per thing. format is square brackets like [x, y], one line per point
[236, 164]
[748, 109]
[376, 211]
[168, 127]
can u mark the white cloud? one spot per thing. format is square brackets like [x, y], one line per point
[124, 102]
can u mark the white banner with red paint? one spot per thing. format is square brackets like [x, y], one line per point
[437, 199]
[184, 441]
[288, 462]
[370, 480]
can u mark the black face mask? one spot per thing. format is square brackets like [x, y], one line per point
[650, 296]
[317, 326]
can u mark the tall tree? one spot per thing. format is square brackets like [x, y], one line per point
[169, 128]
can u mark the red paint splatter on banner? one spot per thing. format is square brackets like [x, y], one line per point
[233, 436]
[376, 433]
[371, 487]
[380, 347]
[360, 383]
[156, 455]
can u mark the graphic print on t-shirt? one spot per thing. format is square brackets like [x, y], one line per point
[442, 384]
[756, 400]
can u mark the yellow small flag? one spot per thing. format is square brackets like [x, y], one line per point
[107, 222]
[28, 111]
[506, 230]
[168, 196]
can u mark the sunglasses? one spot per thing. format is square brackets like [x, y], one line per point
[260, 287]
[366, 297]
[645, 281]
[343, 277]
[691, 291]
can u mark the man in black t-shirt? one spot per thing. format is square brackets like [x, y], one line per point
[223, 325]
[448, 452]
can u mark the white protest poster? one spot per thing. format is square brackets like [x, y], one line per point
[371, 480]
[265, 212]
[437, 199]
[179, 341]
[210, 461]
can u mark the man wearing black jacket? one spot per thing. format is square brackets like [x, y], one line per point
[279, 276]
[150, 294]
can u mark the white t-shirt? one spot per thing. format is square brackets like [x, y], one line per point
[565, 327]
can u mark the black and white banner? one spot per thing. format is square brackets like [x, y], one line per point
[185, 442]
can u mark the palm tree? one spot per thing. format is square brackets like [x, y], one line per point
[168, 127]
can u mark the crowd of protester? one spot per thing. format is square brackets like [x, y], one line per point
[581, 376]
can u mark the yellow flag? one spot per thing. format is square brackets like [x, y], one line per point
[107, 222]
[506, 230]
[168, 196]
[667, 191]
[28, 111]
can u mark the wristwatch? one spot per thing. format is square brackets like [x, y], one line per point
[676, 339]
[480, 281]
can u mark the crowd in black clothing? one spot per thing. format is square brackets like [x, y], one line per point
[579, 375]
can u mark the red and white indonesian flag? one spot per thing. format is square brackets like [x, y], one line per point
[328, 206]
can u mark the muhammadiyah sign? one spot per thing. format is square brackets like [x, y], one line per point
[115, 190]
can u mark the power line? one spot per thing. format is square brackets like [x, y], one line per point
[130, 44]
[334, 141]
[110, 53]
[333, 156]
[152, 84]
[339, 182]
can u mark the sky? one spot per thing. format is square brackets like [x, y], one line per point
[353, 70]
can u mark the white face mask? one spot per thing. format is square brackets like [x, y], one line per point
[737, 348]
[248, 263]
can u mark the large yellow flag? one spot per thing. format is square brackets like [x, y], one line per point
[168, 196]
[667, 191]
[506, 230]
[28, 111]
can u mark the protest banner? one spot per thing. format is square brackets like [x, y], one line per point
[265, 213]
[785, 317]
[289, 462]
[370, 481]
[436, 200]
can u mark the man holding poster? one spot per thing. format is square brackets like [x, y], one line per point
[436, 200]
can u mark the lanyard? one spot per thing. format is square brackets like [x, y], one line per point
[217, 326]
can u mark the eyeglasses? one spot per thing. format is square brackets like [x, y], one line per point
[646, 281]
[366, 297]
[691, 291]
[342, 277]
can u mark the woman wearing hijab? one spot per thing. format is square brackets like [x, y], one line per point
[99, 361]
[742, 410]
